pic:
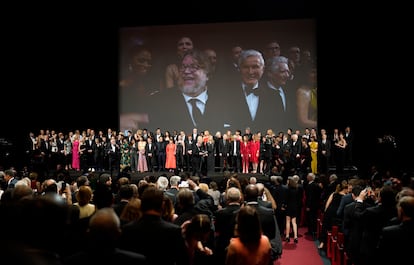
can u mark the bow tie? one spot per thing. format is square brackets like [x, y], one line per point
[251, 90]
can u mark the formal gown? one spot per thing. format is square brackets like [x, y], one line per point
[314, 155]
[75, 156]
[170, 160]
[142, 159]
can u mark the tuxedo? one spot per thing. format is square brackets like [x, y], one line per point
[223, 151]
[150, 150]
[224, 228]
[114, 158]
[197, 158]
[235, 155]
[324, 157]
[238, 115]
[147, 236]
[284, 110]
[169, 110]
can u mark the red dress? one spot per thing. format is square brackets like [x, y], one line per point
[170, 160]
[254, 151]
[240, 254]
[245, 153]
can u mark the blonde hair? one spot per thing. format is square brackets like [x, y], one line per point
[84, 195]
[203, 187]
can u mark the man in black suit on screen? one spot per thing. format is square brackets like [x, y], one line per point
[192, 104]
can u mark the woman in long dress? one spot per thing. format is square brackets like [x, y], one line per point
[170, 160]
[75, 153]
[142, 159]
[313, 144]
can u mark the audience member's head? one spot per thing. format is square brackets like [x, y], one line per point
[405, 208]
[125, 192]
[174, 181]
[21, 191]
[132, 211]
[248, 225]
[233, 195]
[84, 195]
[251, 193]
[387, 196]
[152, 199]
[162, 183]
[199, 228]
[185, 198]
[203, 187]
[104, 229]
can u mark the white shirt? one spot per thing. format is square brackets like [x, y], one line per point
[201, 102]
[252, 101]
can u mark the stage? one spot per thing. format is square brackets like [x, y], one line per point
[135, 177]
[218, 177]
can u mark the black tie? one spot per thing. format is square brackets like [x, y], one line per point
[255, 91]
[196, 111]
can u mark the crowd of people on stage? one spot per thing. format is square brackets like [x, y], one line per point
[202, 153]
[101, 214]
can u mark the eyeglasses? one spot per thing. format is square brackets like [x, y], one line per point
[191, 67]
[143, 61]
[273, 48]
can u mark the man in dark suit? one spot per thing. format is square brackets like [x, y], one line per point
[148, 235]
[104, 231]
[267, 219]
[226, 221]
[114, 156]
[191, 104]
[254, 107]
[282, 95]
[312, 203]
[324, 154]
[235, 155]
[150, 151]
[349, 138]
[223, 152]
[197, 154]
[9, 178]
[374, 219]
[395, 246]
[353, 225]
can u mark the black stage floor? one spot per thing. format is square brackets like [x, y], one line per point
[135, 177]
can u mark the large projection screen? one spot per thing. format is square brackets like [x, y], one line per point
[150, 57]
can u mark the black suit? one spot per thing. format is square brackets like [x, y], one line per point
[238, 115]
[197, 159]
[151, 234]
[110, 257]
[223, 153]
[235, 155]
[395, 246]
[224, 225]
[150, 155]
[286, 116]
[375, 218]
[269, 226]
[169, 110]
[324, 157]
[313, 194]
[114, 158]
[353, 229]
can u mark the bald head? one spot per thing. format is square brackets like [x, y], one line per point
[260, 188]
[251, 192]
[406, 208]
[104, 226]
